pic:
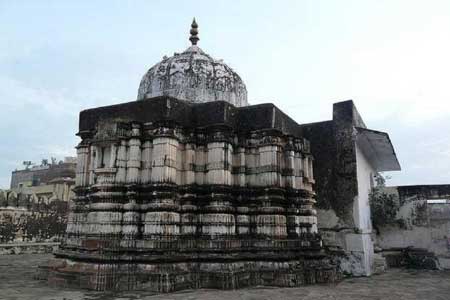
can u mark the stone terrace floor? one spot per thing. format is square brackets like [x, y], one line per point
[16, 282]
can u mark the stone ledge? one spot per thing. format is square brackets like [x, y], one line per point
[28, 248]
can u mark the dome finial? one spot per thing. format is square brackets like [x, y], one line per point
[194, 32]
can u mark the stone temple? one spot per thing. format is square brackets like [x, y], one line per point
[191, 187]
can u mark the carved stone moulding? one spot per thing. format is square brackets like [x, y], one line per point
[181, 275]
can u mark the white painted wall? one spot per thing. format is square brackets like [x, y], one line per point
[365, 173]
[360, 244]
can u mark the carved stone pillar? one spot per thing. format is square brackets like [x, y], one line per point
[289, 170]
[121, 162]
[218, 216]
[164, 159]
[299, 166]
[200, 164]
[189, 215]
[243, 218]
[293, 219]
[113, 155]
[147, 150]
[77, 218]
[239, 166]
[131, 221]
[134, 155]
[92, 163]
[269, 170]
[188, 164]
[162, 218]
[82, 170]
[105, 210]
[271, 219]
[219, 163]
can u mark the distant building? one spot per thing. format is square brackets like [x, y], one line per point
[43, 174]
[35, 208]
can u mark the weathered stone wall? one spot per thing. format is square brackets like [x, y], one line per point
[343, 181]
[334, 146]
[24, 218]
[422, 224]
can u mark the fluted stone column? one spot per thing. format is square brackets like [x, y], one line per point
[162, 217]
[162, 220]
[298, 170]
[271, 219]
[113, 155]
[243, 216]
[82, 170]
[219, 163]
[131, 220]
[121, 162]
[200, 164]
[243, 220]
[269, 169]
[92, 164]
[105, 216]
[289, 157]
[146, 161]
[134, 155]
[189, 215]
[164, 160]
[239, 166]
[137, 171]
[218, 216]
[188, 164]
[252, 160]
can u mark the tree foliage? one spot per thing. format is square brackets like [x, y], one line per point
[383, 206]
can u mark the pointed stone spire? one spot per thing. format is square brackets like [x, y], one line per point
[194, 32]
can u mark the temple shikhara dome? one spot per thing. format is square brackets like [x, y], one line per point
[193, 76]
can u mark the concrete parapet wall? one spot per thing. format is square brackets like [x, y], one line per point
[423, 221]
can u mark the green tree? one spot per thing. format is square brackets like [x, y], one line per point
[383, 206]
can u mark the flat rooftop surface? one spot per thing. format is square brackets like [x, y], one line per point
[16, 282]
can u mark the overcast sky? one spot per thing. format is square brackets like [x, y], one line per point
[391, 57]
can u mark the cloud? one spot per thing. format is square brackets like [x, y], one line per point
[56, 150]
[22, 99]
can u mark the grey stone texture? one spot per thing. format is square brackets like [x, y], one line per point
[17, 282]
[193, 76]
[333, 145]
